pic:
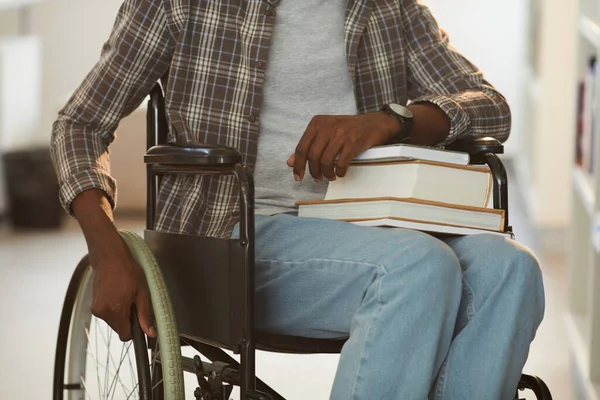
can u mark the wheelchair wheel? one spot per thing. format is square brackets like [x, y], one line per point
[92, 363]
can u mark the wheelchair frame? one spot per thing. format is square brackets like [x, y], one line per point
[194, 285]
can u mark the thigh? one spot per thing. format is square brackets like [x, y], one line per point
[492, 264]
[313, 274]
[488, 259]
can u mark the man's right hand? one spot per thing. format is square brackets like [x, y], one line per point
[118, 281]
[118, 284]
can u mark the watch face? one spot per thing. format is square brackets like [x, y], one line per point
[401, 110]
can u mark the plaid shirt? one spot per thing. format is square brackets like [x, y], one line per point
[216, 55]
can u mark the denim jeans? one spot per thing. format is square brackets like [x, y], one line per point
[426, 318]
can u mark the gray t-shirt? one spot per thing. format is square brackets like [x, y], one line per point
[306, 75]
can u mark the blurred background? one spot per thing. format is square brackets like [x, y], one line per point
[541, 54]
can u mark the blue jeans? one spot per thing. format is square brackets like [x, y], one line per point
[444, 319]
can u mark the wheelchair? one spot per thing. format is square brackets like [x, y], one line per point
[202, 292]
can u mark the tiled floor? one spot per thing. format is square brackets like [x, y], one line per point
[35, 269]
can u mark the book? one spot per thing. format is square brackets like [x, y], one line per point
[399, 152]
[424, 180]
[433, 214]
[579, 124]
[434, 229]
[588, 116]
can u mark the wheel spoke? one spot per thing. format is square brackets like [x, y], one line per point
[85, 389]
[87, 347]
[133, 391]
[110, 358]
[102, 390]
[111, 375]
[116, 376]
[107, 343]
[157, 383]
[131, 369]
[155, 356]
[112, 370]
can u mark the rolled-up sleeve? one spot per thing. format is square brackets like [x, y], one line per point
[439, 74]
[135, 56]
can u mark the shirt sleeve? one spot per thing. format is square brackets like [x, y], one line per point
[439, 74]
[134, 57]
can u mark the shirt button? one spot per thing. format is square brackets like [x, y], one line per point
[269, 12]
[260, 64]
[252, 118]
[235, 213]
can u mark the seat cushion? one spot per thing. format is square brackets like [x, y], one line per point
[297, 345]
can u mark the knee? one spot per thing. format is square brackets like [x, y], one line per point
[524, 274]
[432, 261]
[516, 262]
[514, 267]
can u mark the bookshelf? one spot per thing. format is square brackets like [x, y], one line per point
[582, 316]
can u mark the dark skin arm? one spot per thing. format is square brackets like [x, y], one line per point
[431, 124]
[329, 135]
[118, 281]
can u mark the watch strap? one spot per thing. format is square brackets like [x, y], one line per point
[407, 124]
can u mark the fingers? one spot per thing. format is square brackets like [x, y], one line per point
[315, 155]
[123, 325]
[343, 162]
[325, 138]
[302, 149]
[328, 163]
[144, 312]
[116, 316]
[318, 147]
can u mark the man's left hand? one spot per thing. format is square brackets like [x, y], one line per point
[328, 136]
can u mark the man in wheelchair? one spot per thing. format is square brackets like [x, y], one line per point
[292, 85]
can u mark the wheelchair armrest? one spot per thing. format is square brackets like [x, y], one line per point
[200, 159]
[485, 151]
[478, 146]
[193, 154]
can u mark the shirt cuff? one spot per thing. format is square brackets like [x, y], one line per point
[85, 180]
[459, 118]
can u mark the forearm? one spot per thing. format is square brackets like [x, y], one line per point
[94, 214]
[431, 124]
[477, 112]
[87, 190]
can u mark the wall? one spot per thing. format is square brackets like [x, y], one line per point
[72, 33]
[492, 35]
[19, 97]
[554, 119]
[9, 22]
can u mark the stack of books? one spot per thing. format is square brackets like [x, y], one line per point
[412, 187]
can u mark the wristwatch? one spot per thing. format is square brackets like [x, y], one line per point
[405, 116]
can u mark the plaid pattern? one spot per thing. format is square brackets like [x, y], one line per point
[214, 54]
